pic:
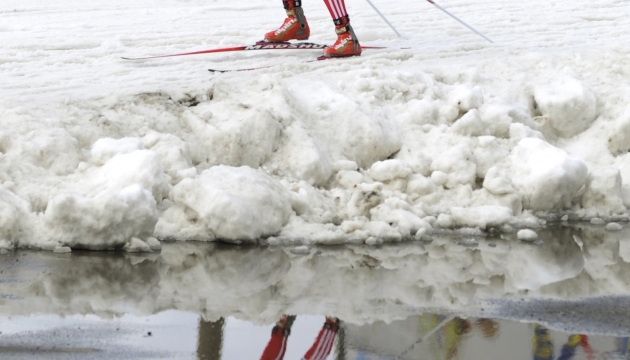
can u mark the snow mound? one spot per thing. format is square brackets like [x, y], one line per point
[569, 105]
[227, 203]
[481, 216]
[141, 167]
[110, 220]
[546, 177]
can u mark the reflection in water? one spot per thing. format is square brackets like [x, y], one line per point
[210, 339]
[262, 283]
[575, 280]
[321, 348]
[543, 348]
[437, 337]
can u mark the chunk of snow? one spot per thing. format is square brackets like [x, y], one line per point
[388, 170]
[109, 220]
[234, 204]
[469, 125]
[481, 216]
[570, 105]
[106, 148]
[546, 177]
[466, 98]
[613, 226]
[603, 192]
[527, 235]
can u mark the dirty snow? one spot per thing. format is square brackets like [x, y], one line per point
[441, 132]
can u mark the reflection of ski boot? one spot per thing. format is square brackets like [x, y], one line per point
[332, 323]
[277, 345]
[294, 27]
[284, 325]
[347, 43]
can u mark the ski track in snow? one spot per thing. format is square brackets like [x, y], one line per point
[72, 48]
[452, 110]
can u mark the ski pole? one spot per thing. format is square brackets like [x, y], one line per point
[383, 17]
[458, 19]
[426, 336]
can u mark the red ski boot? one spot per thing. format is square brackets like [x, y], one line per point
[347, 43]
[294, 27]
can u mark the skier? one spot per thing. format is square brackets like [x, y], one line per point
[295, 27]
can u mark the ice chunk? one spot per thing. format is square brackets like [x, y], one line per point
[466, 97]
[469, 125]
[459, 163]
[388, 170]
[106, 148]
[138, 167]
[174, 155]
[519, 132]
[481, 216]
[496, 183]
[109, 220]
[570, 105]
[364, 197]
[407, 222]
[546, 177]
[613, 226]
[527, 235]
[420, 185]
[349, 179]
[235, 204]
[603, 192]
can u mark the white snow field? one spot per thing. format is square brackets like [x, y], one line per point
[441, 132]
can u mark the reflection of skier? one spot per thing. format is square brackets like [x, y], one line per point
[295, 27]
[320, 349]
[543, 347]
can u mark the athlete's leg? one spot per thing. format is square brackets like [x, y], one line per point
[347, 43]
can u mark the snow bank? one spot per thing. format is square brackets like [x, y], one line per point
[391, 146]
[231, 204]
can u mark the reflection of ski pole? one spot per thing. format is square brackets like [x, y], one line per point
[425, 336]
[590, 353]
[383, 17]
[458, 19]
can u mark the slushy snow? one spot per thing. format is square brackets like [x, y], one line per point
[440, 133]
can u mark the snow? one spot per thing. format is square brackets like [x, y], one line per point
[441, 131]
[527, 235]
[233, 204]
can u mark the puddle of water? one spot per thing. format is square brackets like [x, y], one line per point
[182, 335]
[566, 297]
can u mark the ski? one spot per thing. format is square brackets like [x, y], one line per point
[260, 45]
[319, 58]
